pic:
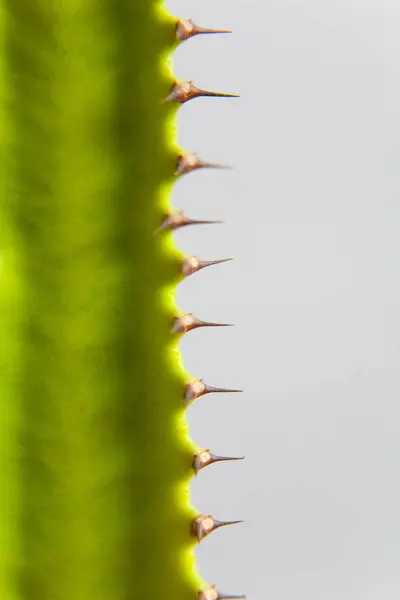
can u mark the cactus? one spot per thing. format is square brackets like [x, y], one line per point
[95, 453]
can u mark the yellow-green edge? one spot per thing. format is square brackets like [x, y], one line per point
[11, 292]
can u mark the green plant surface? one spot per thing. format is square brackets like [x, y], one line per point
[95, 457]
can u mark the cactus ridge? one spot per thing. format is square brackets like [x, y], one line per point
[182, 92]
[95, 454]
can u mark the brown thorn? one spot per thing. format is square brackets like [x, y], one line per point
[185, 29]
[204, 458]
[187, 322]
[198, 388]
[184, 91]
[210, 593]
[192, 264]
[191, 162]
[203, 525]
[209, 389]
[176, 220]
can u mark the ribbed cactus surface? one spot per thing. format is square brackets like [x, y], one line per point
[95, 456]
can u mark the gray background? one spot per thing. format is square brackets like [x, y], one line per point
[312, 215]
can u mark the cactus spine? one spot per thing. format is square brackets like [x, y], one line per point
[95, 455]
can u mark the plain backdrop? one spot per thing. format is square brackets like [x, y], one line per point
[312, 217]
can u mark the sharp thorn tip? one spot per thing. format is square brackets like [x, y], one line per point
[186, 28]
[206, 457]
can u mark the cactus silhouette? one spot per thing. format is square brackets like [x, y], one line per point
[95, 454]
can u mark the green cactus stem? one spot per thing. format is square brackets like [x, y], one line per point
[95, 455]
